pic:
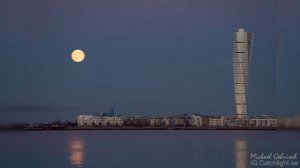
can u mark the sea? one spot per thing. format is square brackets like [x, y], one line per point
[149, 149]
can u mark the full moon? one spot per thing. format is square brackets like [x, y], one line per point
[77, 55]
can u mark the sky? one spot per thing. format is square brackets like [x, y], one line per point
[158, 57]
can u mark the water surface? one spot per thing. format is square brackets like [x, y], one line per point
[140, 148]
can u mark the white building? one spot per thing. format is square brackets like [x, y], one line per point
[83, 120]
[196, 120]
[160, 121]
[263, 122]
[90, 120]
[216, 121]
[241, 60]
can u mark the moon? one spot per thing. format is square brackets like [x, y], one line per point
[77, 55]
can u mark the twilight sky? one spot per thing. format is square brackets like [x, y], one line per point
[158, 57]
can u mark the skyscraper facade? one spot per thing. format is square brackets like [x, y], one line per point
[241, 59]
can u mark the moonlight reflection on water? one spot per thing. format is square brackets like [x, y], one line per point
[77, 153]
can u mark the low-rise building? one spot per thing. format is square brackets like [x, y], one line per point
[91, 120]
[160, 121]
[233, 122]
[196, 120]
[216, 121]
[242, 122]
[181, 120]
[264, 121]
[85, 120]
[137, 121]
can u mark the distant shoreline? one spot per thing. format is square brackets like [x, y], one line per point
[151, 128]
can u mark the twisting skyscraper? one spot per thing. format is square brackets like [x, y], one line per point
[241, 59]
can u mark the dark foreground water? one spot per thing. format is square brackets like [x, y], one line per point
[145, 149]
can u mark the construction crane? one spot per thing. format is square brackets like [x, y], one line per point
[111, 111]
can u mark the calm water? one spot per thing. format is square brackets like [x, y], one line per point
[147, 149]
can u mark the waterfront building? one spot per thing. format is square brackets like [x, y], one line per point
[167, 121]
[229, 121]
[196, 120]
[160, 121]
[216, 121]
[137, 121]
[205, 121]
[154, 122]
[234, 122]
[181, 120]
[85, 120]
[241, 122]
[264, 121]
[91, 120]
[241, 59]
[112, 121]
